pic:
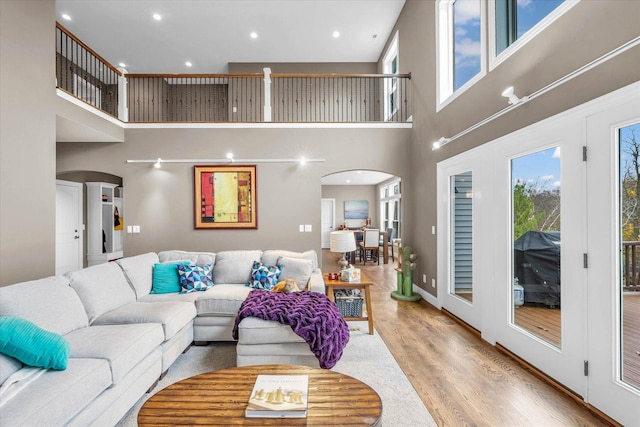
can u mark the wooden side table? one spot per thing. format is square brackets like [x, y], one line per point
[363, 284]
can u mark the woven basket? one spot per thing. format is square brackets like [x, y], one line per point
[349, 306]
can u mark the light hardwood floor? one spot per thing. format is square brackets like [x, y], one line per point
[462, 380]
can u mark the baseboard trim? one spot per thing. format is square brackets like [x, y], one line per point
[555, 384]
[426, 296]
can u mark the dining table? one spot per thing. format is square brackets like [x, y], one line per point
[359, 234]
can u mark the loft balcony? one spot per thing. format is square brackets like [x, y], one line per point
[263, 97]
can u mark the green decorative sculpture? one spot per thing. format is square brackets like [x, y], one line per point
[405, 276]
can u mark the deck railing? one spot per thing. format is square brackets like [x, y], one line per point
[249, 98]
[84, 74]
[631, 266]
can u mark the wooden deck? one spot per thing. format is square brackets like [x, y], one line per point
[545, 323]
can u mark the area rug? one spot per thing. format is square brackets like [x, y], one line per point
[366, 358]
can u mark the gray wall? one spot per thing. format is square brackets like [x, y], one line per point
[343, 193]
[27, 140]
[161, 200]
[589, 30]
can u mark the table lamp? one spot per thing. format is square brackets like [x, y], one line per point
[342, 242]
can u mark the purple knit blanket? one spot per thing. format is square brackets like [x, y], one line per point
[310, 314]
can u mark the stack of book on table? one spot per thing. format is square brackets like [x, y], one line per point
[279, 396]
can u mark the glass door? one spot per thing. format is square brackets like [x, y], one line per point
[613, 138]
[540, 239]
[458, 258]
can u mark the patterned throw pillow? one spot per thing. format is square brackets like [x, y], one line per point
[195, 277]
[264, 276]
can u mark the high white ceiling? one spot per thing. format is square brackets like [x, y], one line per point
[210, 34]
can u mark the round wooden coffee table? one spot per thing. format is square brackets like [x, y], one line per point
[221, 397]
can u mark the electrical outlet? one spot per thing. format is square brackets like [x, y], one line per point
[235, 109]
[301, 228]
[433, 229]
[424, 278]
[433, 283]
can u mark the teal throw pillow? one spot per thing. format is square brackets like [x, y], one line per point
[166, 279]
[195, 277]
[264, 276]
[32, 345]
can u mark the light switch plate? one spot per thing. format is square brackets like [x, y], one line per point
[136, 229]
[307, 227]
[129, 229]
[301, 228]
[433, 229]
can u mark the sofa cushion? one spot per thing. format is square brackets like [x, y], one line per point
[173, 316]
[102, 288]
[138, 271]
[264, 276]
[271, 256]
[166, 279]
[254, 331]
[32, 345]
[57, 396]
[234, 266]
[123, 346]
[195, 277]
[222, 300]
[49, 303]
[298, 269]
[8, 366]
[200, 258]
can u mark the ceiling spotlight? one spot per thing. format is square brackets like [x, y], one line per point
[122, 64]
[158, 163]
[513, 99]
[348, 181]
[254, 35]
[188, 64]
[230, 156]
[157, 17]
[302, 161]
[66, 17]
[336, 34]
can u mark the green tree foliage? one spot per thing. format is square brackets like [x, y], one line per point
[525, 217]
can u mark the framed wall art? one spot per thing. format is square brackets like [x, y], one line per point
[225, 197]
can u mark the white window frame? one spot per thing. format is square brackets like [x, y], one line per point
[87, 91]
[388, 199]
[445, 56]
[391, 84]
[494, 59]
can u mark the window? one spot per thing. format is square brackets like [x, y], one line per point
[87, 91]
[460, 46]
[390, 207]
[390, 66]
[518, 21]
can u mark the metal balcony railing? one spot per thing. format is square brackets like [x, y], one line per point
[248, 98]
[84, 74]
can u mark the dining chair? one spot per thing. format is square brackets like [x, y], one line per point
[390, 235]
[370, 244]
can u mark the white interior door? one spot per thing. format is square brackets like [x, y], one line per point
[327, 221]
[69, 232]
[613, 136]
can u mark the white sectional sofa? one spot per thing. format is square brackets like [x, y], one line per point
[122, 337]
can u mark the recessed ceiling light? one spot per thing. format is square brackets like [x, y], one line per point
[336, 34]
[66, 17]
[188, 64]
[254, 35]
[122, 64]
[359, 171]
[157, 17]
[348, 181]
